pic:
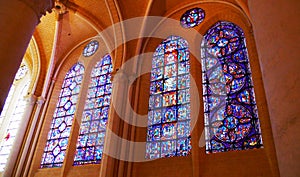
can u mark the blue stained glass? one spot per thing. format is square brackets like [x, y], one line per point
[169, 114]
[183, 67]
[158, 61]
[170, 84]
[171, 57]
[170, 71]
[169, 100]
[170, 46]
[183, 129]
[168, 148]
[154, 133]
[231, 118]
[80, 153]
[108, 89]
[90, 48]
[157, 73]
[98, 152]
[183, 146]
[192, 18]
[62, 119]
[157, 101]
[156, 87]
[168, 131]
[184, 112]
[94, 120]
[153, 150]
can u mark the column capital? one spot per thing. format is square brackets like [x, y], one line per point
[30, 99]
[40, 7]
[40, 100]
[60, 8]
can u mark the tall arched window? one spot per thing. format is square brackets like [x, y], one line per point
[59, 133]
[169, 103]
[231, 118]
[13, 112]
[93, 126]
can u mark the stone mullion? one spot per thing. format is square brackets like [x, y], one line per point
[24, 136]
[71, 148]
[112, 147]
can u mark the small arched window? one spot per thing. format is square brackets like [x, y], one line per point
[60, 129]
[230, 111]
[95, 115]
[169, 103]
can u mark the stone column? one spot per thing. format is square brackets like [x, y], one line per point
[18, 20]
[113, 140]
[276, 29]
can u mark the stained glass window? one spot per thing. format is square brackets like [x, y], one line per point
[168, 132]
[12, 128]
[93, 126]
[7, 103]
[90, 48]
[231, 118]
[192, 18]
[59, 133]
[12, 114]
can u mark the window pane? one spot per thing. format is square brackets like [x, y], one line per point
[168, 117]
[90, 142]
[231, 119]
[59, 133]
[13, 112]
[192, 18]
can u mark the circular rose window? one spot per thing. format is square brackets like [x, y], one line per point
[90, 48]
[192, 18]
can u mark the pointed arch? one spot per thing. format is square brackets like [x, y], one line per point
[169, 104]
[230, 111]
[90, 142]
[58, 136]
[13, 112]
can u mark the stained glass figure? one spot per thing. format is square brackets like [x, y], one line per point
[90, 142]
[90, 48]
[192, 18]
[230, 111]
[58, 136]
[169, 106]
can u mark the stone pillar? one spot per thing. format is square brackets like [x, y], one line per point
[276, 29]
[112, 147]
[18, 20]
[33, 111]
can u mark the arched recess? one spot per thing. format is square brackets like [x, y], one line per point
[61, 125]
[168, 131]
[34, 61]
[115, 35]
[72, 57]
[230, 112]
[215, 11]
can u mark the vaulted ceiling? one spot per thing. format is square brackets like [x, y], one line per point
[74, 22]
